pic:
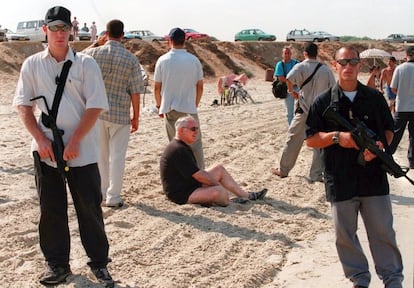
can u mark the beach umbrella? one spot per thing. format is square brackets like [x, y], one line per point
[374, 53]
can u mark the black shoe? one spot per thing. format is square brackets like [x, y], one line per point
[359, 286]
[103, 277]
[257, 195]
[55, 275]
[115, 206]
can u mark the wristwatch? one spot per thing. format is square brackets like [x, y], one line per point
[335, 138]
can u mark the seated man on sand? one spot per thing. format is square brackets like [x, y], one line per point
[182, 180]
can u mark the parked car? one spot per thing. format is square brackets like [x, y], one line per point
[399, 38]
[147, 35]
[84, 35]
[33, 29]
[129, 35]
[324, 36]
[253, 35]
[11, 36]
[191, 34]
[3, 36]
[301, 35]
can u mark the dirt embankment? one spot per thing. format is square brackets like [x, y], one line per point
[217, 58]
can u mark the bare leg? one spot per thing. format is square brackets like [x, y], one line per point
[220, 174]
[217, 195]
[213, 195]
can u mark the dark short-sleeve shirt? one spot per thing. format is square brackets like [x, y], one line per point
[177, 165]
[345, 178]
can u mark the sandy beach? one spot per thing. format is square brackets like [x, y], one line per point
[285, 240]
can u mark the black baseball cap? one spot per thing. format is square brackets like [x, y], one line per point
[58, 15]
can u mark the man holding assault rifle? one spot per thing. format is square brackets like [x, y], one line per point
[355, 180]
[68, 89]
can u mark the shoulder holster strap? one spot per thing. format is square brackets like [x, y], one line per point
[61, 81]
[311, 76]
[60, 86]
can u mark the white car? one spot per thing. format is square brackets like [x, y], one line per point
[84, 35]
[33, 29]
[147, 35]
[324, 36]
[3, 36]
[301, 35]
[12, 36]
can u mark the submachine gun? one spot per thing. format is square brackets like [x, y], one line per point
[57, 143]
[365, 139]
[49, 120]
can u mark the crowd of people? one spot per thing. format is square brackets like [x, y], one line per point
[95, 111]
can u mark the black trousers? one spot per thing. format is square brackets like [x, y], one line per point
[85, 187]
[400, 123]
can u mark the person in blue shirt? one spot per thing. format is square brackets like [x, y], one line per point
[282, 68]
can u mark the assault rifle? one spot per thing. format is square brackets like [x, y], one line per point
[57, 143]
[365, 139]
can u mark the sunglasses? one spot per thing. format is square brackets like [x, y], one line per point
[55, 28]
[192, 128]
[352, 61]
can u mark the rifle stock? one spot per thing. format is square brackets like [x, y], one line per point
[365, 139]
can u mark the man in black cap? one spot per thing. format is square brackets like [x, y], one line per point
[402, 84]
[83, 99]
[178, 88]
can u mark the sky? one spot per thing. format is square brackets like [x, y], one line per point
[222, 18]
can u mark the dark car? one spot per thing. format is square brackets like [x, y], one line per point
[253, 35]
[399, 38]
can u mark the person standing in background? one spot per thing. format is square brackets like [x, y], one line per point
[85, 27]
[402, 84]
[123, 82]
[178, 88]
[386, 76]
[322, 80]
[94, 31]
[75, 28]
[282, 68]
[372, 80]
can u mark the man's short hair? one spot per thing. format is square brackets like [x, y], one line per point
[115, 28]
[183, 121]
[410, 51]
[392, 58]
[177, 36]
[311, 49]
[350, 48]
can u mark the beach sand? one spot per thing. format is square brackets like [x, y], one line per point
[286, 240]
